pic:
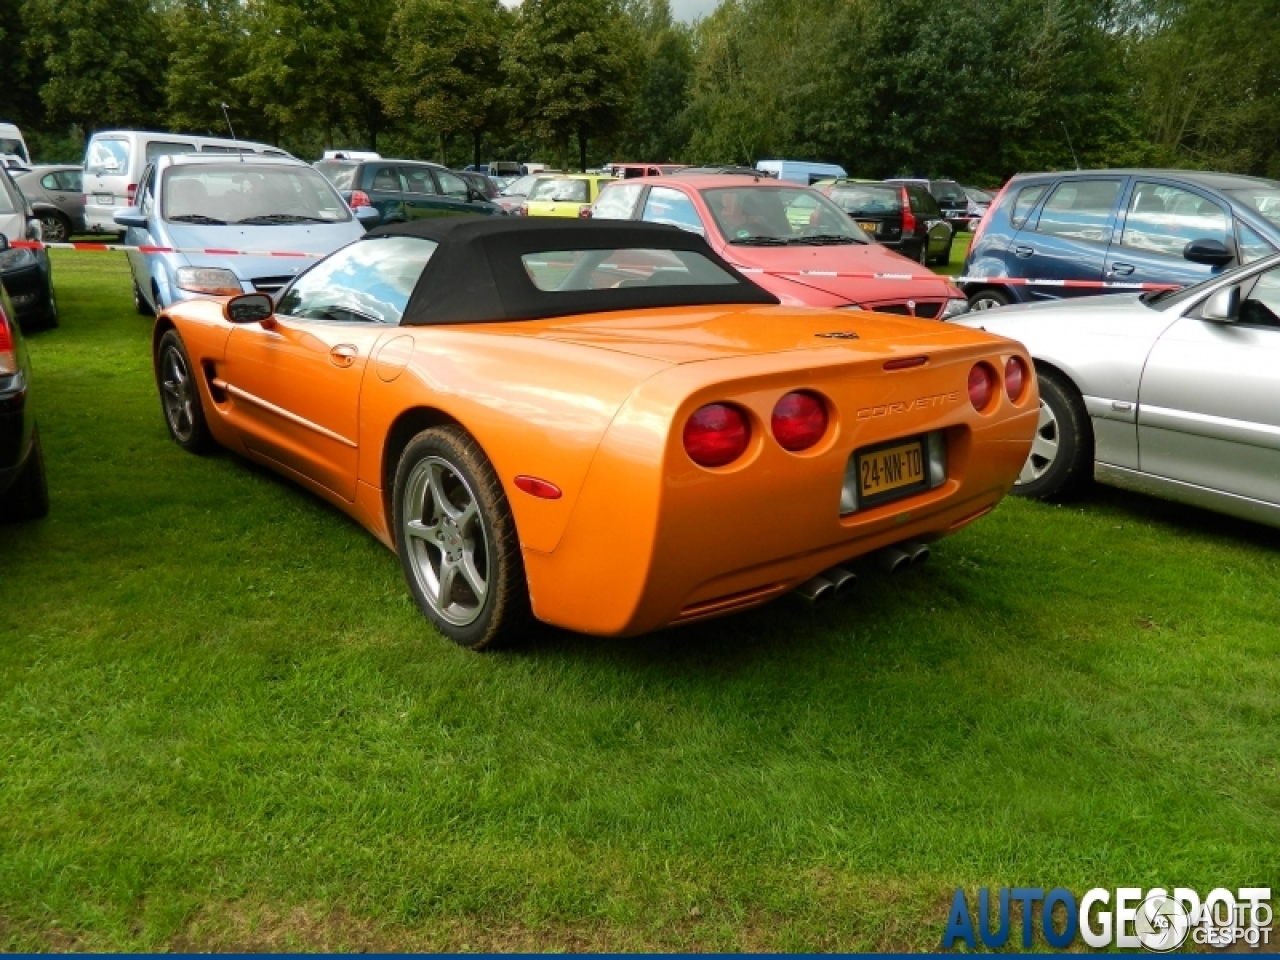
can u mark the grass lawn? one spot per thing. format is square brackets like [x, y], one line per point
[224, 725]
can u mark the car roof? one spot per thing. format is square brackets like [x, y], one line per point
[549, 175]
[1204, 178]
[195, 159]
[709, 181]
[476, 275]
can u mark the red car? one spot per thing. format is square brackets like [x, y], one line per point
[792, 240]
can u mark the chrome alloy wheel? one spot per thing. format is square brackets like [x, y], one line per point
[1044, 448]
[178, 390]
[447, 541]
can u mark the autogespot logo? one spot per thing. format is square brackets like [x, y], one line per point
[1153, 919]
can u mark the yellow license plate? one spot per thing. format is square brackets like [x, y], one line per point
[890, 468]
[869, 225]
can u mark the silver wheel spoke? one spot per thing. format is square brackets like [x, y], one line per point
[469, 572]
[444, 590]
[421, 531]
[1046, 417]
[1044, 448]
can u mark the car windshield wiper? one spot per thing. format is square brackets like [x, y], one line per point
[760, 241]
[282, 218]
[823, 239]
[196, 218]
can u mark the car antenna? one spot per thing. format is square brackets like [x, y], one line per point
[1064, 130]
[226, 116]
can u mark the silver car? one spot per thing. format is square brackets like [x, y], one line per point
[1175, 394]
[57, 196]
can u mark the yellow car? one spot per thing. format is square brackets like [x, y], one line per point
[564, 195]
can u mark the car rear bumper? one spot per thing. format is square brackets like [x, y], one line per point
[15, 429]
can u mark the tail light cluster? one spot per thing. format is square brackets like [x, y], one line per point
[984, 382]
[8, 353]
[719, 433]
[908, 218]
[359, 199]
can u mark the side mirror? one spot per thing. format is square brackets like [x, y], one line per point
[1223, 306]
[130, 217]
[250, 308]
[35, 230]
[368, 215]
[1213, 253]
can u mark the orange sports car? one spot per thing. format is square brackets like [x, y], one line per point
[601, 426]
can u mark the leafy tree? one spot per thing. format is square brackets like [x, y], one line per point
[208, 52]
[103, 60]
[569, 66]
[316, 64]
[23, 74]
[659, 130]
[447, 56]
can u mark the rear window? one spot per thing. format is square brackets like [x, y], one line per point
[15, 147]
[569, 270]
[561, 191]
[107, 155]
[868, 199]
[341, 175]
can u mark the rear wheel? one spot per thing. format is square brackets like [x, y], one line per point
[1061, 459]
[28, 498]
[180, 396]
[457, 540]
[988, 300]
[54, 227]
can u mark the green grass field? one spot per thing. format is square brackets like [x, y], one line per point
[223, 725]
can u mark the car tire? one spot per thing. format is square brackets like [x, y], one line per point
[54, 227]
[456, 538]
[1061, 460]
[988, 299]
[140, 305]
[180, 395]
[28, 498]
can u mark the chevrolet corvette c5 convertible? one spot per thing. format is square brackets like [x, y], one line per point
[599, 426]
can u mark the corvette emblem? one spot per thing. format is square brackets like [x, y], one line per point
[838, 335]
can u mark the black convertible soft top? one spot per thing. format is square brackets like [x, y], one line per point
[477, 275]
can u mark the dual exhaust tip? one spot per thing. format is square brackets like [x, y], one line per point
[838, 581]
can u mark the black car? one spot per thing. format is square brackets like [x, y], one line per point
[902, 216]
[949, 195]
[405, 190]
[24, 495]
[25, 273]
[483, 184]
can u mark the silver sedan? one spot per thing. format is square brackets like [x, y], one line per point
[1175, 394]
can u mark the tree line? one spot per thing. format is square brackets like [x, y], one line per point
[975, 89]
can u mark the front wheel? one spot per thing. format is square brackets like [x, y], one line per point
[180, 395]
[988, 300]
[457, 540]
[54, 228]
[1061, 458]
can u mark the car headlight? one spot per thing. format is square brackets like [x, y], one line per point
[17, 257]
[211, 280]
[953, 308]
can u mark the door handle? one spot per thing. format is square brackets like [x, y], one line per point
[1023, 252]
[343, 355]
[1122, 269]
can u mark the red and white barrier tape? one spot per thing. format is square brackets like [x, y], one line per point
[1001, 281]
[113, 247]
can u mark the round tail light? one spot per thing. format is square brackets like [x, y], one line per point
[982, 384]
[799, 421]
[1015, 377]
[716, 434]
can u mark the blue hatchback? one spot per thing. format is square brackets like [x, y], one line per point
[1125, 226]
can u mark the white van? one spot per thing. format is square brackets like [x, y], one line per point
[801, 171]
[12, 144]
[114, 161]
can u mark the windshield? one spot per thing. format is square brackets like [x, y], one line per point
[864, 200]
[1263, 198]
[978, 196]
[107, 156]
[757, 215]
[561, 191]
[250, 194]
[340, 173]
